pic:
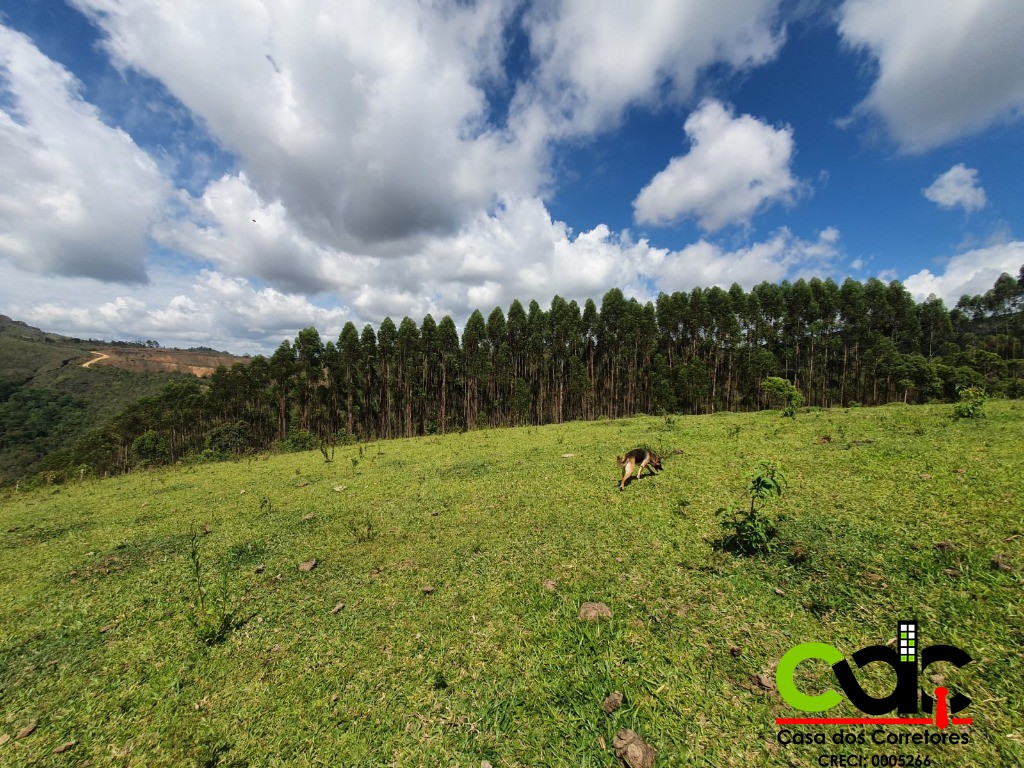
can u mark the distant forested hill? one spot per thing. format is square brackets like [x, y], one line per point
[48, 401]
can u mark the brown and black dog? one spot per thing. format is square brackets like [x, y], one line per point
[637, 459]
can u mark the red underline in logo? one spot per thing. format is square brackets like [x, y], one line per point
[867, 721]
[942, 718]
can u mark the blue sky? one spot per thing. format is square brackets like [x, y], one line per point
[226, 174]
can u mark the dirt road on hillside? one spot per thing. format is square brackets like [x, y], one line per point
[99, 356]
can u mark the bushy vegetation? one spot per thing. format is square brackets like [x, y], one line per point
[751, 530]
[971, 404]
[783, 391]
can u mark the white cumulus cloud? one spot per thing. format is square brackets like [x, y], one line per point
[781, 256]
[972, 272]
[957, 186]
[367, 121]
[735, 166]
[597, 57]
[946, 68]
[77, 197]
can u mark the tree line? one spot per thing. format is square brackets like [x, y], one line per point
[705, 350]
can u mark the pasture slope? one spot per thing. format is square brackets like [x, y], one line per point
[425, 635]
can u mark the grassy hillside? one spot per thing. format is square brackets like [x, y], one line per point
[425, 633]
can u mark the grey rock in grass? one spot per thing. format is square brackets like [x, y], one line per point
[550, 585]
[632, 750]
[595, 612]
[308, 566]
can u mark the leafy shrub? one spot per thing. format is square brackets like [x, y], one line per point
[151, 448]
[971, 404]
[234, 438]
[301, 440]
[782, 391]
[749, 531]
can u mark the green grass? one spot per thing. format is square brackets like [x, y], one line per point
[97, 588]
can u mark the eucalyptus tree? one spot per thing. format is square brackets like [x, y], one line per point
[371, 412]
[451, 369]
[429, 376]
[282, 368]
[349, 374]
[475, 368]
[499, 364]
[408, 375]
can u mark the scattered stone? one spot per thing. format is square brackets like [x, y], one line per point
[207, 530]
[485, 764]
[27, 730]
[260, 568]
[999, 563]
[780, 592]
[334, 698]
[302, 483]
[613, 702]
[242, 492]
[953, 573]
[64, 747]
[308, 566]
[104, 630]
[872, 576]
[550, 585]
[735, 650]
[568, 455]
[340, 488]
[4, 738]
[632, 750]
[937, 680]
[943, 546]
[429, 590]
[925, 476]
[337, 609]
[375, 573]
[824, 440]
[763, 681]
[595, 612]
[310, 516]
